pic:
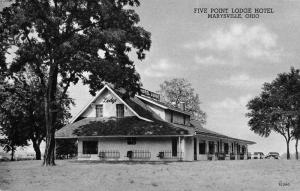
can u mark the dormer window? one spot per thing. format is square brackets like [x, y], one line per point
[120, 110]
[99, 110]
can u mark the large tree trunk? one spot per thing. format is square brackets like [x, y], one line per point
[12, 154]
[50, 116]
[288, 157]
[296, 148]
[36, 147]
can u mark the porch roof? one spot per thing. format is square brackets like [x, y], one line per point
[112, 126]
[200, 130]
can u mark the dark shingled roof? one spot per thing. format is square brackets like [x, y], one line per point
[141, 108]
[169, 106]
[200, 130]
[118, 126]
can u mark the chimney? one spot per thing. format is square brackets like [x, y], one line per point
[182, 106]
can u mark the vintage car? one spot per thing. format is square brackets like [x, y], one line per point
[272, 155]
[258, 155]
[248, 155]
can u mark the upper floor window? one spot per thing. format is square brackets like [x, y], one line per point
[99, 110]
[120, 110]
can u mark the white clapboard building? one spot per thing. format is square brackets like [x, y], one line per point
[115, 127]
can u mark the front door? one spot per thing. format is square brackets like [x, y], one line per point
[195, 149]
[174, 147]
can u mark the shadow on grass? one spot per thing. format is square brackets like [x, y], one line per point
[122, 162]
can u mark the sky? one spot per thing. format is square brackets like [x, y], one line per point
[226, 60]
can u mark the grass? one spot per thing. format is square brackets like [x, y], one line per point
[201, 175]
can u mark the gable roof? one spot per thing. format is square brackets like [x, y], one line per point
[163, 105]
[118, 97]
[200, 130]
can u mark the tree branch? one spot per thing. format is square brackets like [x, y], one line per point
[65, 89]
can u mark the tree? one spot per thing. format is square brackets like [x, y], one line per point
[277, 108]
[66, 148]
[22, 93]
[11, 129]
[67, 40]
[297, 137]
[179, 90]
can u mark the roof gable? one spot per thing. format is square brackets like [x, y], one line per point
[106, 87]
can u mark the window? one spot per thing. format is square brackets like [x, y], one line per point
[171, 117]
[99, 110]
[211, 146]
[243, 150]
[202, 148]
[131, 140]
[120, 110]
[90, 147]
[226, 148]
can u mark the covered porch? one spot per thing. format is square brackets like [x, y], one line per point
[129, 138]
[135, 148]
[211, 147]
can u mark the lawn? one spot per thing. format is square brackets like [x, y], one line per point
[202, 175]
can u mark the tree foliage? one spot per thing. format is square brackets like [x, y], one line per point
[66, 148]
[22, 110]
[276, 109]
[179, 90]
[67, 40]
[10, 114]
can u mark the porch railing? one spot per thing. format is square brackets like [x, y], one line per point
[220, 156]
[84, 156]
[109, 154]
[242, 156]
[248, 156]
[210, 156]
[170, 155]
[232, 156]
[138, 154]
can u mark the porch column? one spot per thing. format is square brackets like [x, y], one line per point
[206, 146]
[216, 149]
[79, 148]
[235, 150]
[222, 146]
[181, 145]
